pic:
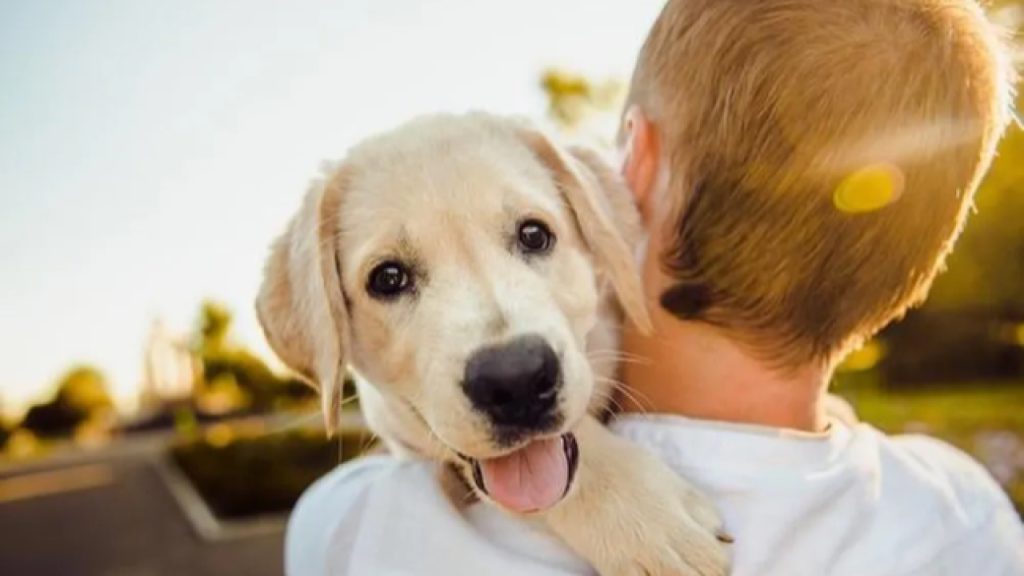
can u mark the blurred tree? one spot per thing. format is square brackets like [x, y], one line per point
[52, 419]
[214, 324]
[233, 374]
[569, 96]
[85, 388]
[23, 444]
[80, 393]
[582, 106]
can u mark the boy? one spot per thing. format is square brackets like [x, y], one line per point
[802, 167]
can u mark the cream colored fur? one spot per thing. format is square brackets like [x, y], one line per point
[446, 193]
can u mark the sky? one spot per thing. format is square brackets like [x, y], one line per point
[151, 150]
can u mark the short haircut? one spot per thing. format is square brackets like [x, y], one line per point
[781, 122]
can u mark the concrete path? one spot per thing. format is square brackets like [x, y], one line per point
[112, 515]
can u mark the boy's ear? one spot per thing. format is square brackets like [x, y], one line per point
[604, 213]
[642, 155]
[300, 305]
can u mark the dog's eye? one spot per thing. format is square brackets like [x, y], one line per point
[388, 280]
[535, 238]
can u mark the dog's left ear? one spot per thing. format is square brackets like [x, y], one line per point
[301, 305]
[605, 214]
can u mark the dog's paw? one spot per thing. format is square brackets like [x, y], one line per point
[630, 514]
[669, 529]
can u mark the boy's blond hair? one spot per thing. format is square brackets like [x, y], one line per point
[822, 158]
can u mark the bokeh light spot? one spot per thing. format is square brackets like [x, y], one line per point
[864, 358]
[220, 435]
[869, 188]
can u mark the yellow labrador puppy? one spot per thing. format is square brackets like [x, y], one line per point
[472, 274]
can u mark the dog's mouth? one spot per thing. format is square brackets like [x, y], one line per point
[532, 478]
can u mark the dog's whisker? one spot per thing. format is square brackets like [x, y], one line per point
[297, 422]
[609, 398]
[617, 357]
[368, 442]
[605, 360]
[470, 496]
[640, 400]
[616, 351]
[349, 400]
[638, 362]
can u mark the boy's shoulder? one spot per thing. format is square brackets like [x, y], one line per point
[851, 502]
[328, 509]
[956, 515]
[948, 471]
[926, 457]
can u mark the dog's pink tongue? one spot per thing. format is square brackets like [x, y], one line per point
[529, 479]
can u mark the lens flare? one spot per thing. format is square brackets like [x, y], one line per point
[868, 189]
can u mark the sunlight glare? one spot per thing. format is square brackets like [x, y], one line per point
[868, 189]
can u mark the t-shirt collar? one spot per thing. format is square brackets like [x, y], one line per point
[687, 442]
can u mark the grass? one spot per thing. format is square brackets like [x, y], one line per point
[985, 419]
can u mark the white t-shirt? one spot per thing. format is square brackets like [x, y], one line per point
[851, 502]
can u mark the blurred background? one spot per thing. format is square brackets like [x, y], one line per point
[149, 153]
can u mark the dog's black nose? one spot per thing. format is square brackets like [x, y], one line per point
[515, 384]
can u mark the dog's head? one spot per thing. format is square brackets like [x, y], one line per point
[455, 263]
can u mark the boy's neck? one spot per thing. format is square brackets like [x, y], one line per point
[693, 369]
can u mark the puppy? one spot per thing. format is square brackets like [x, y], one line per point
[472, 275]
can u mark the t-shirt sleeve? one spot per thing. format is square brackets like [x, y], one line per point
[992, 541]
[322, 527]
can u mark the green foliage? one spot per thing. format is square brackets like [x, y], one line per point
[226, 362]
[964, 345]
[253, 376]
[85, 388]
[262, 474]
[213, 326]
[185, 423]
[574, 100]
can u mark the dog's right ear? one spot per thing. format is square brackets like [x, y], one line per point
[603, 210]
[300, 305]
